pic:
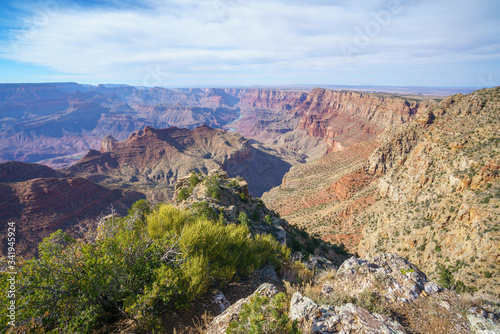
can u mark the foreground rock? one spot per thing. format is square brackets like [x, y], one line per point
[383, 294]
[221, 322]
[388, 275]
[347, 318]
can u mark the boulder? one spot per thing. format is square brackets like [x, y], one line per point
[302, 307]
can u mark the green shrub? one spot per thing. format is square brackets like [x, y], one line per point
[137, 264]
[167, 218]
[213, 187]
[268, 220]
[243, 218]
[262, 316]
[404, 271]
[183, 194]
[193, 180]
[233, 184]
[203, 209]
[487, 274]
[445, 276]
[372, 302]
[460, 287]
[243, 197]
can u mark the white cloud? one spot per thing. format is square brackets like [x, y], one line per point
[242, 42]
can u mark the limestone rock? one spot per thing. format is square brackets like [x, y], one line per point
[354, 319]
[221, 322]
[108, 143]
[302, 307]
[347, 318]
[387, 275]
[221, 301]
[482, 322]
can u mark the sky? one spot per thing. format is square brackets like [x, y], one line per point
[193, 43]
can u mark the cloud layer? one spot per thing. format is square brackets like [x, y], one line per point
[236, 42]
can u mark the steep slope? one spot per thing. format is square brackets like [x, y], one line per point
[314, 195]
[39, 203]
[155, 159]
[440, 191]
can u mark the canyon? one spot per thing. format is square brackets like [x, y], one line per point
[374, 172]
[427, 190]
[57, 124]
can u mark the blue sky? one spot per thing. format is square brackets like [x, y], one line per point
[187, 43]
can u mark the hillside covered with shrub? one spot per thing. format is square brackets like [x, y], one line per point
[152, 262]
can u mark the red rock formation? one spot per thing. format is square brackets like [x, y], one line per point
[162, 156]
[359, 117]
[271, 99]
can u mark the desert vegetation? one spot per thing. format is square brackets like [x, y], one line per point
[154, 259]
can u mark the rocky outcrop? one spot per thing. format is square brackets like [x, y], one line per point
[108, 143]
[388, 275]
[483, 322]
[383, 294]
[324, 319]
[232, 200]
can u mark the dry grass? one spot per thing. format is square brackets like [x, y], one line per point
[297, 273]
[201, 324]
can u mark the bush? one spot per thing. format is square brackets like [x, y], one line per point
[268, 219]
[262, 315]
[144, 262]
[183, 194]
[460, 287]
[213, 187]
[243, 218]
[193, 180]
[243, 197]
[233, 184]
[203, 209]
[445, 277]
[372, 302]
[167, 218]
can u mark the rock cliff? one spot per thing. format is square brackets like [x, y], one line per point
[383, 294]
[439, 189]
[324, 121]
